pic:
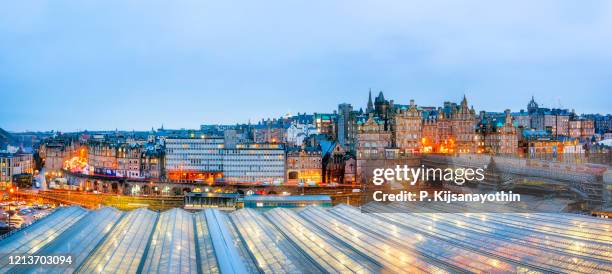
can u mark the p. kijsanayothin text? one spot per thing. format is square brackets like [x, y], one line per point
[446, 196]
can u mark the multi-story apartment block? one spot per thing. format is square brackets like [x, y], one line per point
[270, 131]
[602, 123]
[254, 163]
[102, 158]
[194, 159]
[326, 123]
[347, 125]
[523, 120]
[557, 121]
[12, 165]
[554, 120]
[129, 160]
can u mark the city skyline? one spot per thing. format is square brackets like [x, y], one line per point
[288, 114]
[94, 66]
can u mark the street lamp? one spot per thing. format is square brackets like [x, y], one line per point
[10, 212]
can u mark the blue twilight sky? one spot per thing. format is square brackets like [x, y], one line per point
[68, 65]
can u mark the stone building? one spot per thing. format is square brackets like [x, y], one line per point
[54, 152]
[326, 123]
[500, 136]
[408, 129]
[463, 128]
[581, 129]
[334, 161]
[372, 138]
[304, 166]
[152, 163]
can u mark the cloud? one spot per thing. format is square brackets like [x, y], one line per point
[185, 63]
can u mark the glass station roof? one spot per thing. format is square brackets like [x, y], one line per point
[342, 239]
[32, 238]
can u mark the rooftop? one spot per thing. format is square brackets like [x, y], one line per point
[341, 239]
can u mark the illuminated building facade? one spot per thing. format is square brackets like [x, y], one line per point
[499, 136]
[601, 123]
[554, 120]
[129, 160]
[436, 133]
[372, 138]
[408, 129]
[56, 151]
[463, 128]
[254, 163]
[270, 131]
[13, 164]
[582, 129]
[542, 144]
[325, 123]
[194, 159]
[102, 158]
[304, 166]
[110, 158]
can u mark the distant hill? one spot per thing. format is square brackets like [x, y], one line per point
[6, 138]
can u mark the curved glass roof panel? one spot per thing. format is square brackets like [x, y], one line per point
[534, 248]
[32, 238]
[172, 247]
[77, 241]
[330, 254]
[123, 249]
[214, 230]
[273, 252]
[392, 257]
[452, 255]
[342, 239]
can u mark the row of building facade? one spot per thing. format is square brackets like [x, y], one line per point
[319, 148]
[186, 159]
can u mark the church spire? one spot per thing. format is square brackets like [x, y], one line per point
[464, 101]
[370, 107]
